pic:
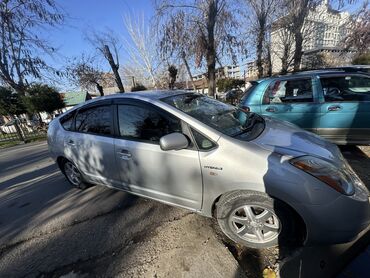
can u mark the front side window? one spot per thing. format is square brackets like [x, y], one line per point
[289, 91]
[223, 117]
[144, 123]
[203, 143]
[346, 88]
[95, 120]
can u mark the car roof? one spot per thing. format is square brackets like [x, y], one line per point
[314, 72]
[152, 94]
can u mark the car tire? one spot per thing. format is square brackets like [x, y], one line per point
[73, 175]
[255, 220]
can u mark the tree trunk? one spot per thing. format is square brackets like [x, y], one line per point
[284, 60]
[269, 62]
[40, 118]
[259, 53]
[298, 50]
[188, 70]
[100, 89]
[19, 130]
[211, 50]
[114, 67]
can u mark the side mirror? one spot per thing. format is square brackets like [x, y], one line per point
[173, 141]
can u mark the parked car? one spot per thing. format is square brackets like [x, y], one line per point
[332, 104]
[265, 181]
[231, 96]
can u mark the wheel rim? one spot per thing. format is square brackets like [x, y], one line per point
[72, 173]
[254, 224]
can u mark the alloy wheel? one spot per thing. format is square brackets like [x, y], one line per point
[255, 224]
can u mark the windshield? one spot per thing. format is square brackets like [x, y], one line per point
[223, 117]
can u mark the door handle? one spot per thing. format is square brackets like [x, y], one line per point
[125, 154]
[271, 109]
[334, 108]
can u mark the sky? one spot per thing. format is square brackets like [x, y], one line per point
[85, 15]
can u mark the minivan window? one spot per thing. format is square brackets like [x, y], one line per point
[223, 117]
[145, 124]
[346, 88]
[289, 91]
[95, 120]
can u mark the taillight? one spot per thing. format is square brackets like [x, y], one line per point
[246, 109]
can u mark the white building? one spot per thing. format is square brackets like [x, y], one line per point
[231, 71]
[323, 31]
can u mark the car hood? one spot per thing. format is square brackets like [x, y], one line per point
[287, 139]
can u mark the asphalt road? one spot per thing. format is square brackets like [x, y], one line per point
[49, 229]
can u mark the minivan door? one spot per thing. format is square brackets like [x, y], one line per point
[170, 176]
[293, 100]
[345, 108]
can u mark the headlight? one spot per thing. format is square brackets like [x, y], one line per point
[342, 180]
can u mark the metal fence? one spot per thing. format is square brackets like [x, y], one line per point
[16, 131]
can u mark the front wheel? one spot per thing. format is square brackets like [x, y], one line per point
[254, 219]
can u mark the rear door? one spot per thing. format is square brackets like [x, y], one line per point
[91, 145]
[170, 176]
[293, 100]
[345, 108]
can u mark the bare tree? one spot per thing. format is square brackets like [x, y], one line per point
[175, 40]
[141, 48]
[262, 14]
[298, 11]
[358, 37]
[84, 73]
[106, 42]
[20, 44]
[213, 26]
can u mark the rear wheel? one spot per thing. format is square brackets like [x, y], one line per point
[255, 220]
[73, 175]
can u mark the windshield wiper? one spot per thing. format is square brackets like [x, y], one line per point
[245, 128]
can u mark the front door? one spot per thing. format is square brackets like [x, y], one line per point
[346, 108]
[170, 176]
[292, 100]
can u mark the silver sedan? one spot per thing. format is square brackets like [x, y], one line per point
[266, 182]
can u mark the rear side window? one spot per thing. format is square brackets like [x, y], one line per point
[67, 121]
[289, 91]
[95, 120]
[346, 88]
[145, 124]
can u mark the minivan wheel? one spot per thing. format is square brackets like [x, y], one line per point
[254, 219]
[73, 175]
